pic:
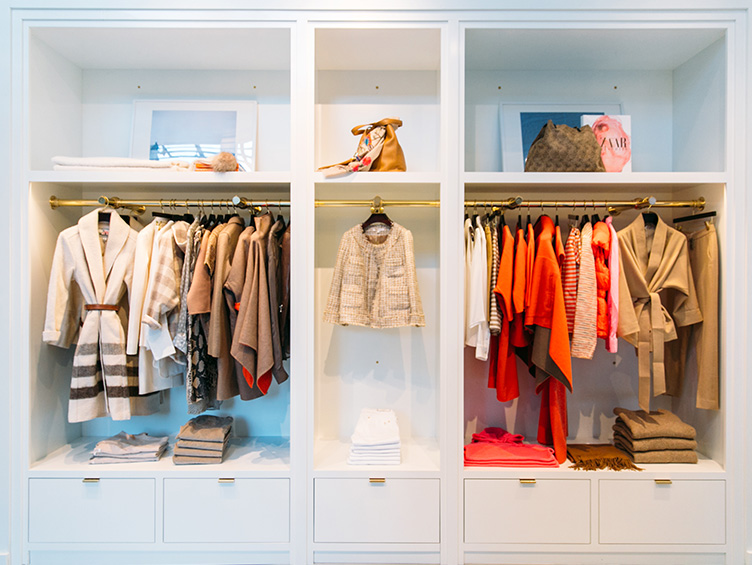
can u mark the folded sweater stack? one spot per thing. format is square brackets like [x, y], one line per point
[127, 448]
[62, 163]
[203, 440]
[496, 447]
[376, 440]
[654, 437]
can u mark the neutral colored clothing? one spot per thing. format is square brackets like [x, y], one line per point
[479, 333]
[584, 335]
[494, 310]
[206, 428]
[661, 423]
[657, 296]
[375, 283]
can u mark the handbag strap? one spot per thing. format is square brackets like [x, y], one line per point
[396, 122]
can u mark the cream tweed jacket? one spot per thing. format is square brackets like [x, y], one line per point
[375, 282]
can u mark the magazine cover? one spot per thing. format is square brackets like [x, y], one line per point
[614, 135]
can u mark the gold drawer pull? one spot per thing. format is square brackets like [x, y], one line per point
[226, 480]
[663, 481]
[527, 481]
[376, 480]
[91, 480]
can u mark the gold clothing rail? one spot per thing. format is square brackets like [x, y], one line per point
[377, 205]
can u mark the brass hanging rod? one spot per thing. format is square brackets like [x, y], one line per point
[378, 205]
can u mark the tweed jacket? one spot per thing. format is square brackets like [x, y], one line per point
[93, 266]
[375, 283]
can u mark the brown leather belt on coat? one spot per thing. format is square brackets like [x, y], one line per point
[111, 307]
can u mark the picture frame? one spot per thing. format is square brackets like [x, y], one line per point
[516, 136]
[186, 130]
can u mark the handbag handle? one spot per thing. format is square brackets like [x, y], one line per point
[396, 122]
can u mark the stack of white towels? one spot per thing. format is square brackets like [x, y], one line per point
[376, 440]
[128, 448]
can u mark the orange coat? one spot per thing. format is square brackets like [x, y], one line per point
[601, 250]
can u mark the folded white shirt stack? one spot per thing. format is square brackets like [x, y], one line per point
[376, 440]
[127, 448]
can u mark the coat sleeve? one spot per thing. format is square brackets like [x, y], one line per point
[416, 306]
[334, 302]
[64, 299]
[137, 290]
[684, 308]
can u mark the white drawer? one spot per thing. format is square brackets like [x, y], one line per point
[646, 511]
[227, 510]
[360, 511]
[107, 510]
[522, 511]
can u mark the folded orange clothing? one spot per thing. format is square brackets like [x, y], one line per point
[482, 454]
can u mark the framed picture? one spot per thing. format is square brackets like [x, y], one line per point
[520, 123]
[189, 130]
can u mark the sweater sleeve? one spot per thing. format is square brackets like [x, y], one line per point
[416, 306]
[333, 304]
[64, 299]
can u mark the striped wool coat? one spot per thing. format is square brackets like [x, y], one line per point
[93, 265]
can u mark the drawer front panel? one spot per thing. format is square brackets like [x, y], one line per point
[230, 511]
[513, 511]
[108, 510]
[644, 511]
[360, 511]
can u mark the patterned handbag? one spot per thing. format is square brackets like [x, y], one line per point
[560, 148]
[378, 150]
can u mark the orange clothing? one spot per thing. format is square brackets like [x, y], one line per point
[518, 334]
[503, 373]
[601, 251]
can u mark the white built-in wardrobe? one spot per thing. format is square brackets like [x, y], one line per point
[458, 77]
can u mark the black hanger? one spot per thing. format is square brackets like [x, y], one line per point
[596, 219]
[585, 220]
[378, 216]
[519, 221]
[650, 218]
[700, 216]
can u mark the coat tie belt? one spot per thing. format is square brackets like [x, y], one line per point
[652, 317]
[110, 307]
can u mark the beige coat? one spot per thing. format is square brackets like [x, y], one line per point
[656, 295]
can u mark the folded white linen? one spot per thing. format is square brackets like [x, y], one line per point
[122, 162]
[378, 447]
[376, 427]
[366, 461]
[375, 453]
[102, 460]
[67, 168]
[129, 444]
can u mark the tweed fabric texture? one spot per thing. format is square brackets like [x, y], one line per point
[375, 284]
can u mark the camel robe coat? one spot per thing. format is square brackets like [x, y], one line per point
[90, 267]
[656, 294]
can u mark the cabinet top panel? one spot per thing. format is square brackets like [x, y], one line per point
[214, 48]
[585, 49]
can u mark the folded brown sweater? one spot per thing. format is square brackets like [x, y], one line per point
[206, 428]
[650, 444]
[664, 456]
[661, 423]
[202, 445]
[184, 460]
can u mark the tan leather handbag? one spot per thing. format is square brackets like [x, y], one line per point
[560, 148]
[378, 150]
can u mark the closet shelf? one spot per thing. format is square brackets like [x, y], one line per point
[609, 183]
[704, 469]
[418, 455]
[256, 456]
[159, 178]
[369, 177]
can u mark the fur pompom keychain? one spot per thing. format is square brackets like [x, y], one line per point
[221, 163]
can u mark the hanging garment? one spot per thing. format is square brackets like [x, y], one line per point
[494, 319]
[658, 295]
[274, 276]
[252, 340]
[284, 307]
[219, 336]
[703, 258]
[550, 348]
[612, 343]
[91, 269]
[375, 283]
[584, 335]
[160, 311]
[559, 246]
[469, 237]
[233, 293]
[518, 335]
[479, 334]
[601, 253]
[201, 378]
[503, 373]
[192, 243]
[570, 274]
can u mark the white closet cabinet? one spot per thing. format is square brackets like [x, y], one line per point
[458, 77]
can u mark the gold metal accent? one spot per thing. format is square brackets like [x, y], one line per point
[663, 481]
[226, 480]
[376, 480]
[527, 481]
[91, 480]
